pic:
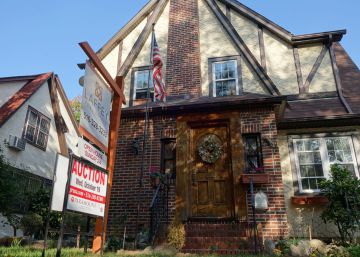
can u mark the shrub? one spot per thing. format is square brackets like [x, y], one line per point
[176, 235]
[343, 192]
[354, 251]
[31, 224]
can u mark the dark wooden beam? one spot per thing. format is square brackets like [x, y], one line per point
[315, 68]
[101, 68]
[298, 70]
[119, 62]
[242, 48]
[262, 47]
[228, 12]
[338, 79]
[140, 42]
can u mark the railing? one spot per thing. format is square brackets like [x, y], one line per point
[159, 210]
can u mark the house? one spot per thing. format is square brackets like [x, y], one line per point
[247, 101]
[36, 123]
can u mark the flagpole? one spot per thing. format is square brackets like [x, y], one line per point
[145, 134]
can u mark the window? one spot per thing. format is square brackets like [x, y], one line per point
[141, 80]
[37, 127]
[225, 78]
[253, 153]
[315, 156]
[168, 157]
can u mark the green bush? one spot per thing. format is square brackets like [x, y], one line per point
[354, 251]
[31, 224]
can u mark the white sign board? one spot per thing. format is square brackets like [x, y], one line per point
[90, 153]
[87, 189]
[60, 179]
[96, 107]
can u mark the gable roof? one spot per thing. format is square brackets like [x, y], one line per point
[20, 97]
[350, 77]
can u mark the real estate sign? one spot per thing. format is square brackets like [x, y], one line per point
[90, 153]
[95, 108]
[60, 179]
[87, 189]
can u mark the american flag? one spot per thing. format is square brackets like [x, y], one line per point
[159, 85]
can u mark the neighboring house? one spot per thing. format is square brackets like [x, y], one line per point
[36, 123]
[246, 99]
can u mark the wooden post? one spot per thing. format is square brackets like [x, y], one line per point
[115, 117]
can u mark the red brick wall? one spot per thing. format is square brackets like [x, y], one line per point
[127, 170]
[274, 221]
[183, 59]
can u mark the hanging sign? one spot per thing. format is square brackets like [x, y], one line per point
[95, 108]
[90, 153]
[87, 189]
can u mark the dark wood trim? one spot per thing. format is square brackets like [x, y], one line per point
[242, 48]
[119, 56]
[68, 108]
[132, 85]
[228, 12]
[53, 88]
[140, 42]
[258, 19]
[315, 68]
[211, 61]
[338, 79]
[262, 47]
[310, 96]
[299, 75]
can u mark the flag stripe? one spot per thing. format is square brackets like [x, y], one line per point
[159, 85]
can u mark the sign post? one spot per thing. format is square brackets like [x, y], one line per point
[115, 117]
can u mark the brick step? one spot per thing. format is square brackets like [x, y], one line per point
[233, 243]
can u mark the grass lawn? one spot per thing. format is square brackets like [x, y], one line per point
[31, 252]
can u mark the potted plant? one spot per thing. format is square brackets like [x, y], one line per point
[155, 177]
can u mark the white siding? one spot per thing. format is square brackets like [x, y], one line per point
[33, 159]
[7, 90]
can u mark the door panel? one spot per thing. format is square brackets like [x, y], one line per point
[212, 190]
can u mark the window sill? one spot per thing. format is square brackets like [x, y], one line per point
[140, 102]
[309, 200]
[261, 178]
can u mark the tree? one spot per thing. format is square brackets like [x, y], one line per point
[76, 107]
[8, 194]
[343, 192]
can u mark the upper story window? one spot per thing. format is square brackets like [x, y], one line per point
[140, 84]
[225, 78]
[315, 156]
[37, 127]
[253, 153]
[224, 73]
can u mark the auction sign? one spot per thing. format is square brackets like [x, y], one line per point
[95, 108]
[87, 188]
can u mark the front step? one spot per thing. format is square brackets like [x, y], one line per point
[219, 237]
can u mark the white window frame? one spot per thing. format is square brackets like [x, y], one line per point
[216, 80]
[135, 82]
[326, 166]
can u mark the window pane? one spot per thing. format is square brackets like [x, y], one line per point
[169, 151]
[41, 140]
[339, 151]
[142, 79]
[309, 157]
[33, 118]
[30, 133]
[44, 126]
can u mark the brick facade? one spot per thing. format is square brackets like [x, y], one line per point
[274, 221]
[127, 170]
[183, 76]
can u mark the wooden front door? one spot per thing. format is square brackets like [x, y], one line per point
[211, 176]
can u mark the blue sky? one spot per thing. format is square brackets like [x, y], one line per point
[41, 35]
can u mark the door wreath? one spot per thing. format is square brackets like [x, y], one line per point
[210, 148]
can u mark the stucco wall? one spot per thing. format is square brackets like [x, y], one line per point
[7, 90]
[301, 217]
[33, 159]
[280, 64]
